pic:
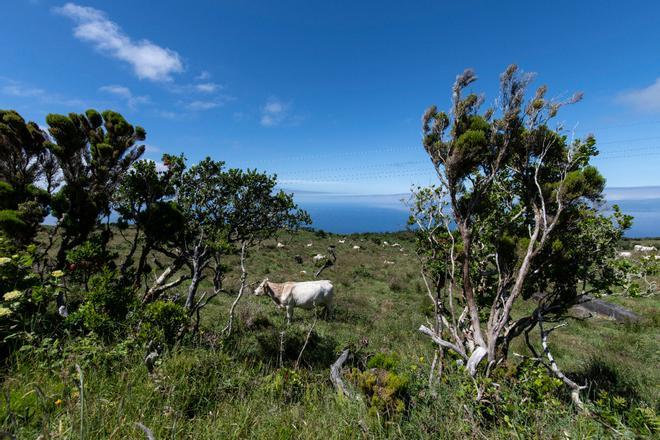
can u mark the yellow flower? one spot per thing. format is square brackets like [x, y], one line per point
[58, 402]
[421, 358]
[14, 294]
[4, 311]
[4, 260]
[57, 273]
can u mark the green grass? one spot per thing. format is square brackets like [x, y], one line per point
[207, 390]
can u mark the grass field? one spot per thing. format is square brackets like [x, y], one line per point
[247, 387]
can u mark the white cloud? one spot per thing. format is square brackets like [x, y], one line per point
[274, 112]
[126, 94]
[202, 105]
[646, 99]
[18, 89]
[203, 76]
[168, 114]
[207, 87]
[208, 104]
[149, 61]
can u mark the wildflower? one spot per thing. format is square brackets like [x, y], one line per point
[14, 294]
[4, 311]
[57, 273]
[58, 402]
[4, 260]
[421, 359]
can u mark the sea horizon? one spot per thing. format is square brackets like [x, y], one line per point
[360, 213]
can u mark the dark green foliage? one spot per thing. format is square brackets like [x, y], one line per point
[385, 387]
[163, 321]
[105, 305]
[24, 161]
[87, 259]
[94, 151]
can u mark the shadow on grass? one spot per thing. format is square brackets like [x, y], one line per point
[601, 375]
[261, 340]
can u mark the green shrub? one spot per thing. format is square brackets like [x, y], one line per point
[106, 305]
[87, 259]
[286, 384]
[163, 321]
[384, 361]
[387, 392]
[386, 388]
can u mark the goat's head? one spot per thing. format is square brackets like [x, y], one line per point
[262, 289]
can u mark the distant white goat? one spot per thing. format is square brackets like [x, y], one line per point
[640, 248]
[356, 247]
[280, 245]
[318, 257]
[309, 244]
[625, 254]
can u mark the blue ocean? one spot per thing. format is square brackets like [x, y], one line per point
[387, 213]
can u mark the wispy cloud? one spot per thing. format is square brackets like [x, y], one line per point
[646, 99]
[125, 93]
[18, 89]
[196, 106]
[207, 87]
[148, 60]
[203, 76]
[21, 90]
[185, 89]
[207, 104]
[276, 112]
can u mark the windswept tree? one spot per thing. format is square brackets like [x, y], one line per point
[28, 175]
[144, 201]
[222, 211]
[94, 151]
[515, 215]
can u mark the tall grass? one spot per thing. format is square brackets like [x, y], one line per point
[211, 388]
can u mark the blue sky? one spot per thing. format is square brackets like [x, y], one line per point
[329, 94]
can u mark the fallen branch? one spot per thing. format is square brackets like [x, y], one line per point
[335, 376]
[575, 388]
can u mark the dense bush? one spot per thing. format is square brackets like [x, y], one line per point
[163, 322]
[385, 387]
[105, 305]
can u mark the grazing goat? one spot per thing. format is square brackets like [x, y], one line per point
[640, 248]
[303, 294]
